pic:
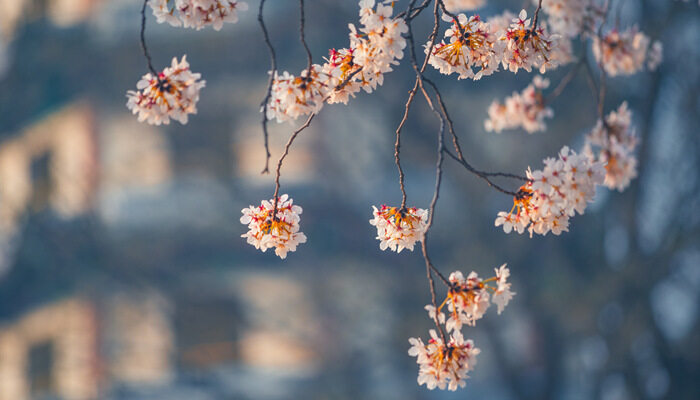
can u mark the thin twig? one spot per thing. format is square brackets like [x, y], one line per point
[294, 136]
[284, 155]
[303, 40]
[431, 214]
[268, 93]
[537, 15]
[143, 40]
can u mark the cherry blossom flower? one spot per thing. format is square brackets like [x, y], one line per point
[502, 294]
[552, 195]
[614, 141]
[197, 14]
[625, 52]
[472, 47]
[164, 11]
[292, 96]
[172, 94]
[443, 366]
[467, 300]
[566, 17]
[399, 229]
[527, 47]
[526, 109]
[463, 5]
[434, 314]
[374, 48]
[281, 233]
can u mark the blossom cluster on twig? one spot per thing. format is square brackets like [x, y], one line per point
[374, 48]
[447, 358]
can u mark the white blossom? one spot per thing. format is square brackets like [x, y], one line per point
[471, 46]
[399, 229]
[612, 142]
[528, 47]
[566, 17]
[374, 48]
[197, 14]
[554, 194]
[281, 233]
[443, 366]
[172, 94]
[467, 300]
[463, 5]
[626, 52]
[527, 109]
[502, 295]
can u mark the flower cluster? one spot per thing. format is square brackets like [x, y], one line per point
[172, 94]
[281, 232]
[444, 366]
[399, 228]
[472, 44]
[566, 17]
[527, 109]
[467, 300]
[197, 14]
[528, 46]
[626, 52]
[554, 194]
[463, 5]
[511, 42]
[615, 141]
[374, 48]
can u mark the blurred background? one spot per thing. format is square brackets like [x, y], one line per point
[123, 274]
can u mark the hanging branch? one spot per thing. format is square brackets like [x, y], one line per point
[268, 93]
[302, 38]
[143, 40]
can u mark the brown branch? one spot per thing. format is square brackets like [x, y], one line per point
[284, 155]
[303, 40]
[268, 93]
[537, 15]
[143, 40]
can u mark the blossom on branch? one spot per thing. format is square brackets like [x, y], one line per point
[527, 109]
[567, 17]
[172, 94]
[552, 195]
[472, 45]
[281, 232]
[626, 52]
[468, 298]
[197, 14]
[502, 294]
[292, 96]
[528, 46]
[614, 140]
[443, 365]
[374, 48]
[399, 228]
[463, 5]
